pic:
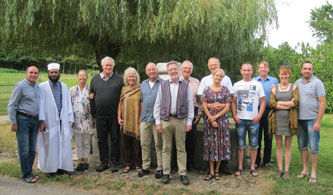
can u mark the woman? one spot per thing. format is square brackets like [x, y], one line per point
[129, 117]
[82, 125]
[216, 138]
[283, 118]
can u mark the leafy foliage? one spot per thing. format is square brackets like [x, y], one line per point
[322, 22]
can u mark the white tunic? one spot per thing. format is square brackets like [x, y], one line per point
[54, 147]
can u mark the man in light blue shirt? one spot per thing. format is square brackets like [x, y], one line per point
[267, 82]
[23, 110]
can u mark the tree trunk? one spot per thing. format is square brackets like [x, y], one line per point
[102, 50]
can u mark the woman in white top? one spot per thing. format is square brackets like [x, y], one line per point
[82, 125]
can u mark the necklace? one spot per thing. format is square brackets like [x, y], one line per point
[284, 87]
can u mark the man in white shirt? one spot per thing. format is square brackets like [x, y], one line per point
[247, 95]
[173, 113]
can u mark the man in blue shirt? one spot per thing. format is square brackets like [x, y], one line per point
[149, 89]
[23, 110]
[267, 82]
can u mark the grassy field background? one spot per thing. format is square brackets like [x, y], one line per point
[9, 77]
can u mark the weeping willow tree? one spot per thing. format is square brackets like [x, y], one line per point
[137, 31]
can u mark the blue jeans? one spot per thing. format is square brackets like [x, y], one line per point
[253, 129]
[307, 136]
[26, 142]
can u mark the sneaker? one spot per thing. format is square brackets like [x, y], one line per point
[114, 167]
[102, 167]
[184, 179]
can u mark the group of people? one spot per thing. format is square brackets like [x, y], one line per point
[165, 110]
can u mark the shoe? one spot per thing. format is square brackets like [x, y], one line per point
[30, 180]
[165, 179]
[158, 174]
[114, 167]
[143, 172]
[61, 172]
[79, 167]
[51, 175]
[85, 166]
[279, 174]
[184, 180]
[209, 177]
[285, 175]
[102, 167]
[254, 173]
[268, 165]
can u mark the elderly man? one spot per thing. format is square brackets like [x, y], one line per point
[186, 69]
[54, 141]
[248, 94]
[267, 82]
[312, 104]
[105, 89]
[149, 88]
[23, 110]
[173, 113]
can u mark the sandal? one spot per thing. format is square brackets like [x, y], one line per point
[239, 172]
[254, 173]
[126, 169]
[279, 174]
[217, 176]
[313, 180]
[30, 180]
[209, 177]
[138, 169]
[285, 175]
[302, 175]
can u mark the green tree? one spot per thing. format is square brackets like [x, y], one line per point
[138, 31]
[322, 22]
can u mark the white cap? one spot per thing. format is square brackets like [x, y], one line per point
[53, 66]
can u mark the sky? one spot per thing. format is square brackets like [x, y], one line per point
[293, 27]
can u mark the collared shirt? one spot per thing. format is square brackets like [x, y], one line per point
[194, 89]
[208, 81]
[267, 84]
[308, 97]
[148, 97]
[57, 94]
[173, 108]
[25, 98]
[103, 76]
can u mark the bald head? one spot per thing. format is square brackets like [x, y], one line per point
[151, 71]
[31, 74]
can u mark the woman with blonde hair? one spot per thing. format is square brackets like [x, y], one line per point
[129, 118]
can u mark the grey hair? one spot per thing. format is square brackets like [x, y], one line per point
[106, 58]
[219, 70]
[187, 62]
[172, 62]
[215, 58]
[131, 70]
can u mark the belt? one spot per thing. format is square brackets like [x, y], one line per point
[27, 115]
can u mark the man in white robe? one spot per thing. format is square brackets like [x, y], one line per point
[54, 139]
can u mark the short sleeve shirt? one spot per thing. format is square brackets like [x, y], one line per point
[308, 97]
[248, 95]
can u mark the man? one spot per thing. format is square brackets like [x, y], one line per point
[312, 104]
[23, 110]
[214, 63]
[267, 82]
[149, 89]
[54, 141]
[186, 69]
[245, 103]
[105, 89]
[173, 113]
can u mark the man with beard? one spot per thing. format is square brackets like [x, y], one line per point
[54, 139]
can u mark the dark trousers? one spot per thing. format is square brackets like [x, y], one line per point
[26, 142]
[105, 126]
[267, 139]
[131, 151]
[189, 145]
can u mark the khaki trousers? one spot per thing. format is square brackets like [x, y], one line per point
[147, 131]
[174, 127]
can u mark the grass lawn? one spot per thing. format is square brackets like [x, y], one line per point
[9, 165]
[8, 78]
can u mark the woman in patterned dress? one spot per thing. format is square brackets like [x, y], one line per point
[216, 138]
[82, 125]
